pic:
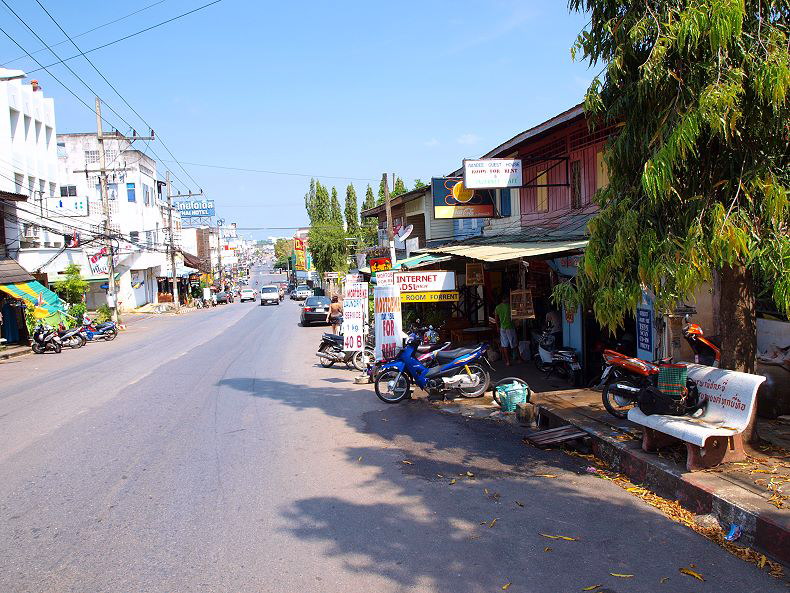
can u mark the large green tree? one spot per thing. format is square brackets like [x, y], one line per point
[72, 287]
[700, 167]
[368, 226]
[380, 195]
[370, 199]
[310, 202]
[321, 211]
[351, 211]
[399, 188]
[335, 212]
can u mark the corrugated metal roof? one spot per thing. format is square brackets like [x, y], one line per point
[11, 272]
[504, 251]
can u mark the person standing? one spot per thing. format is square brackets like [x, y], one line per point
[335, 314]
[507, 331]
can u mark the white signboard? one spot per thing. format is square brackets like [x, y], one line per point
[353, 329]
[434, 281]
[385, 278]
[492, 173]
[386, 302]
[357, 290]
[98, 262]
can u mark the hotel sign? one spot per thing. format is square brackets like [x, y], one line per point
[492, 173]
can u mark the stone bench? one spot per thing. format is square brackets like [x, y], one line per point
[717, 435]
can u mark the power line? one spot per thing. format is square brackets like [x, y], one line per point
[125, 37]
[107, 24]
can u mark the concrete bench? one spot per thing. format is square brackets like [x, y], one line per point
[716, 436]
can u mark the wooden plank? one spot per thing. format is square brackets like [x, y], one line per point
[555, 436]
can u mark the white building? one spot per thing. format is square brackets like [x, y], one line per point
[28, 163]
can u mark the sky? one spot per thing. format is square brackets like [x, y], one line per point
[342, 91]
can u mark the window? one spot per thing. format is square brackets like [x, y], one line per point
[134, 236]
[130, 192]
[601, 170]
[91, 156]
[14, 122]
[576, 184]
[48, 136]
[38, 131]
[146, 195]
[110, 156]
[52, 187]
[68, 191]
[149, 238]
[62, 150]
[542, 202]
[504, 202]
[28, 121]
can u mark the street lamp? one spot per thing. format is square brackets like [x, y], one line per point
[8, 74]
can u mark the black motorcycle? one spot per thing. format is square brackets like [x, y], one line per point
[331, 351]
[46, 338]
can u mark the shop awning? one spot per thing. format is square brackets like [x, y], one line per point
[417, 261]
[495, 252]
[36, 294]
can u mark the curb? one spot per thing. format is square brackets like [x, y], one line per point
[15, 354]
[765, 528]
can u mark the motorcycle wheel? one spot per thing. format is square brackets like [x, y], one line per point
[76, 342]
[362, 359]
[111, 335]
[325, 348]
[616, 405]
[480, 390]
[56, 347]
[386, 389]
[36, 347]
[540, 365]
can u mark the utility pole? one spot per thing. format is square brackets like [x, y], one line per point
[176, 301]
[390, 232]
[105, 200]
[220, 222]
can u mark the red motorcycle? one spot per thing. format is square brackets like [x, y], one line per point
[705, 351]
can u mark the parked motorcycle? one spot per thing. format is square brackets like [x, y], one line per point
[563, 361]
[705, 351]
[427, 353]
[75, 337]
[458, 371]
[46, 338]
[331, 351]
[106, 331]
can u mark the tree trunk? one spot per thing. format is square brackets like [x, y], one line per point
[737, 319]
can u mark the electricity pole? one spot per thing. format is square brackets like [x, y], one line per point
[220, 222]
[390, 232]
[105, 200]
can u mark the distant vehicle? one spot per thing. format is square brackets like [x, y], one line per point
[223, 298]
[246, 294]
[316, 309]
[270, 294]
[302, 292]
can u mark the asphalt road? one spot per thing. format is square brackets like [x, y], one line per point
[208, 452]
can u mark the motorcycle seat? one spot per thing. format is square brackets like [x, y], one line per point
[333, 337]
[445, 356]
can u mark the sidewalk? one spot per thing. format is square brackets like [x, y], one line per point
[755, 495]
[7, 352]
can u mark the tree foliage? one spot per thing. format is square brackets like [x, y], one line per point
[322, 211]
[335, 213]
[327, 245]
[283, 249]
[370, 200]
[419, 183]
[72, 288]
[380, 195]
[399, 188]
[310, 202]
[698, 168]
[351, 211]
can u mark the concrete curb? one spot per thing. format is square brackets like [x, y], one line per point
[15, 354]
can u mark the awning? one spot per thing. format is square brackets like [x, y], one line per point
[193, 261]
[504, 251]
[417, 261]
[36, 294]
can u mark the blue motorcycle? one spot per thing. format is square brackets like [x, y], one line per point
[458, 371]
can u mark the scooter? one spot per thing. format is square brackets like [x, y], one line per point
[331, 351]
[106, 331]
[458, 371]
[705, 351]
[427, 354]
[564, 361]
[75, 337]
[46, 338]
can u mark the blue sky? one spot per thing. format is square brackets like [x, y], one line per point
[345, 89]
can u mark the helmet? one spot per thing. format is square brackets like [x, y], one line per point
[693, 329]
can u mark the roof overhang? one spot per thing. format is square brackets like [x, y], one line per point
[505, 251]
[7, 196]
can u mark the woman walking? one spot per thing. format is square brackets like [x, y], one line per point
[335, 314]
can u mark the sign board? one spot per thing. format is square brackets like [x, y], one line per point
[434, 281]
[521, 305]
[451, 199]
[331, 275]
[195, 208]
[644, 329]
[378, 264]
[301, 254]
[385, 278]
[353, 328]
[492, 173]
[98, 262]
[450, 296]
[352, 278]
[474, 274]
[356, 290]
[388, 322]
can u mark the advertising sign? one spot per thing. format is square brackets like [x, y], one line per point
[474, 274]
[379, 264]
[434, 281]
[353, 328]
[450, 296]
[331, 275]
[385, 278]
[451, 199]
[195, 208]
[98, 262]
[492, 173]
[301, 254]
[388, 322]
[521, 306]
[356, 290]
[644, 329]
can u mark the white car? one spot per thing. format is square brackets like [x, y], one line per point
[302, 292]
[270, 294]
[247, 294]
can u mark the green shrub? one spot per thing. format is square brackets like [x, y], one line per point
[103, 313]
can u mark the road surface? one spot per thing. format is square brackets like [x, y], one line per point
[208, 452]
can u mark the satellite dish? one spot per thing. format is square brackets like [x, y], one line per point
[404, 232]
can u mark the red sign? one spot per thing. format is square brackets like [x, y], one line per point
[380, 264]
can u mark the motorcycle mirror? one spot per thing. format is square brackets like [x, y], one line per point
[686, 318]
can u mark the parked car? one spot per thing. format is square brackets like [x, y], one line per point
[302, 292]
[270, 294]
[223, 298]
[246, 294]
[315, 309]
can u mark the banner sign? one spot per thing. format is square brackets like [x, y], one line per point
[521, 305]
[474, 274]
[492, 173]
[353, 328]
[195, 208]
[644, 329]
[388, 322]
[301, 254]
[425, 281]
[380, 264]
[451, 199]
[450, 296]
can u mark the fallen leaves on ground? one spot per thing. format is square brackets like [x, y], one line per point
[563, 537]
[359, 458]
[664, 580]
[470, 474]
[453, 481]
[519, 503]
[548, 549]
[493, 522]
[692, 573]
[591, 587]
[506, 586]
[546, 475]
[407, 462]
[621, 575]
